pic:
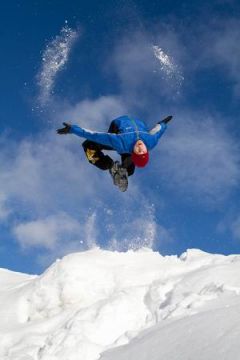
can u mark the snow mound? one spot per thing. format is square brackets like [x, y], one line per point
[94, 301]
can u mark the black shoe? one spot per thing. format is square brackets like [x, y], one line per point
[119, 175]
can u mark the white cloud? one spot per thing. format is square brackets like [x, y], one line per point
[57, 230]
[45, 175]
[136, 64]
[46, 233]
[54, 58]
[95, 114]
[199, 157]
[56, 235]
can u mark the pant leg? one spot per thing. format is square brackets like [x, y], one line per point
[128, 164]
[126, 158]
[95, 155]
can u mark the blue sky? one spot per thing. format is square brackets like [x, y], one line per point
[88, 62]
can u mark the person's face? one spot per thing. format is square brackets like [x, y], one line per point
[140, 148]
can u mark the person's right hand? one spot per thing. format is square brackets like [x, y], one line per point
[65, 130]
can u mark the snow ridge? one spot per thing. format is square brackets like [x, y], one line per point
[97, 300]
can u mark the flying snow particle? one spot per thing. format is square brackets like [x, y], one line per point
[168, 66]
[54, 57]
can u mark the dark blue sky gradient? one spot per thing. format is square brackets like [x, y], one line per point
[209, 87]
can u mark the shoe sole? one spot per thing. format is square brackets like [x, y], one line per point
[121, 180]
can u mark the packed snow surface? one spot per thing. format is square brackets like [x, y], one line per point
[135, 305]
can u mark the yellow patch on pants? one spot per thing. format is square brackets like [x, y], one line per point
[91, 155]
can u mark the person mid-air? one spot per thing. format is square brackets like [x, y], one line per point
[128, 136]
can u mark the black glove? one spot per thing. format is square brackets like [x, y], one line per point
[65, 130]
[166, 120]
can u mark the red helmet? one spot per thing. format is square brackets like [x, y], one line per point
[140, 160]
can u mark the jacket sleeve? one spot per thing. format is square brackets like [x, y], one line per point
[157, 132]
[103, 138]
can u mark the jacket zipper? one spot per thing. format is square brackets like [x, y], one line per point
[135, 125]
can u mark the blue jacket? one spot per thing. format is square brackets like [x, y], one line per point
[129, 131]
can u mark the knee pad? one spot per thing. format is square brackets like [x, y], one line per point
[91, 155]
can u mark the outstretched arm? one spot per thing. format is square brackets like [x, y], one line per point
[159, 129]
[103, 138]
[159, 126]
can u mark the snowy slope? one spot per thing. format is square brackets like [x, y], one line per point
[91, 302]
[208, 335]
